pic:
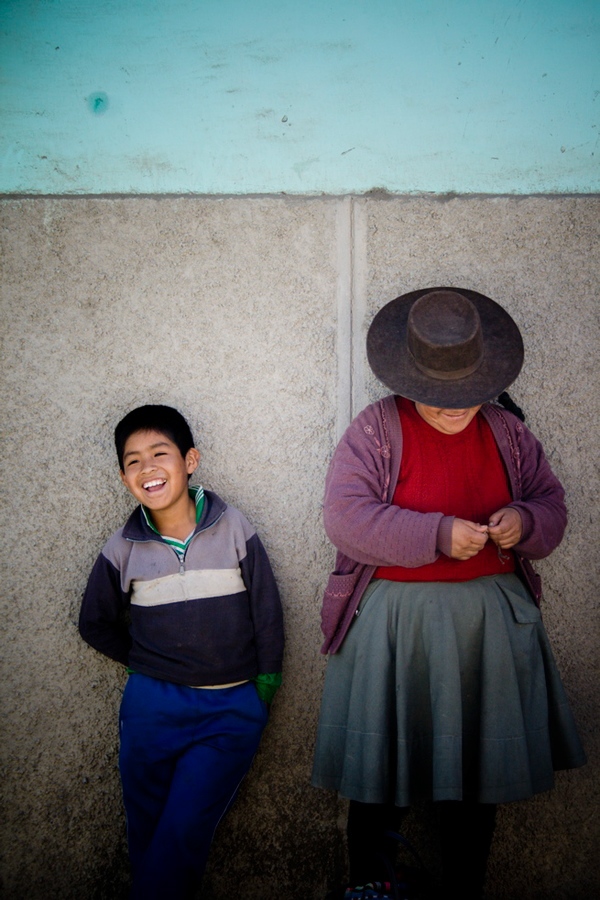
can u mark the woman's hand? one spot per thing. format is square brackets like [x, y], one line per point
[468, 538]
[505, 527]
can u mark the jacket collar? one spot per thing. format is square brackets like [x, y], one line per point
[137, 529]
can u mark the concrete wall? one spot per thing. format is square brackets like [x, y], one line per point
[250, 315]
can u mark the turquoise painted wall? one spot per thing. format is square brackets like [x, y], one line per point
[332, 96]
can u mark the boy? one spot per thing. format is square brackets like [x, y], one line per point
[203, 647]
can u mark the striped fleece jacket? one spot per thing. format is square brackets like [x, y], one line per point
[214, 618]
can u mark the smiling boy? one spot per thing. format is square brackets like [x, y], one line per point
[203, 647]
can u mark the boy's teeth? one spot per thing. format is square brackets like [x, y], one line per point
[150, 484]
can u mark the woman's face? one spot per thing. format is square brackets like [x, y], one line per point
[448, 421]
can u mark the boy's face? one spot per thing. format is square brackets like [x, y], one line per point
[155, 472]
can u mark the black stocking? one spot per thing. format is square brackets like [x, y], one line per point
[367, 824]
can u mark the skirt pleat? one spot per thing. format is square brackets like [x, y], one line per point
[444, 691]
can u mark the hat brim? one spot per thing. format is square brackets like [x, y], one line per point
[393, 364]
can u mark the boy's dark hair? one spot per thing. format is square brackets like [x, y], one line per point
[164, 419]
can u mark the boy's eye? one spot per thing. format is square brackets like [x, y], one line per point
[131, 462]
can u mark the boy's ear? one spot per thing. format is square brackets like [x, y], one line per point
[122, 477]
[192, 459]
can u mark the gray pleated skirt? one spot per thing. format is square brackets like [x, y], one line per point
[444, 691]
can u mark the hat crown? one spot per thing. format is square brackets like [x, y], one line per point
[445, 346]
[444, 335]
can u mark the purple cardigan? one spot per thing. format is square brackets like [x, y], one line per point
[369, 531]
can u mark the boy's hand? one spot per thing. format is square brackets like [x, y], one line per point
[468, 538]
[505, 527]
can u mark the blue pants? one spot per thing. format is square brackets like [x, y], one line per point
[184, 752]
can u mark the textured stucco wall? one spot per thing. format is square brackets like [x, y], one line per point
[250, 315]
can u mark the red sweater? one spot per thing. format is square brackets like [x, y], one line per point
[458, 475]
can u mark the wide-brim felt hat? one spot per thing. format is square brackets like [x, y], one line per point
[445, 347]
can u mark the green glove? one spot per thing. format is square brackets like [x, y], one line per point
[267, 685]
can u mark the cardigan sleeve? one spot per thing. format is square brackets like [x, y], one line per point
[541, 504]
[359, 519]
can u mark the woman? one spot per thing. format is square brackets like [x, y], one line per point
[440, 682]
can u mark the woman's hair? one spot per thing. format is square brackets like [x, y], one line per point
[164, 419]
[508, 403]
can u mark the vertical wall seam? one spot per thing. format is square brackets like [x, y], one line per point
[351, 312]
[344, 313]
[359, 303]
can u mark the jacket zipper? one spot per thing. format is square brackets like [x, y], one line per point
[180, 559]
[206, 528]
